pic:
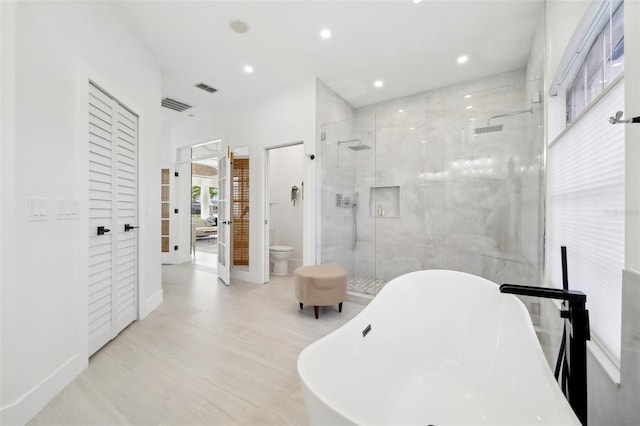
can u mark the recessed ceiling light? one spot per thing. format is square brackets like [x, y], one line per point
[416, 1]
[248, 69]
[467, 96]
[469, 106]
[378, 83]
[412, 128]
[325, 33]
[400, 110]
[423, 141]
[463, 59]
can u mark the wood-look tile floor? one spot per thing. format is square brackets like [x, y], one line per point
[209, 355]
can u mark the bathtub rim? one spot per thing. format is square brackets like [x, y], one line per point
[541, 359]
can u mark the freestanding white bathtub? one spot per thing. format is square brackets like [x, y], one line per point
[444, 348]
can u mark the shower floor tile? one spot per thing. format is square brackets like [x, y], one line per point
[363, 284]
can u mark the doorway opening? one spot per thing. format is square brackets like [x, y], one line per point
[204, 205]
[199, 164]
[284, 208]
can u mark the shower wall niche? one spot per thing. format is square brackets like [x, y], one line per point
[437, 187]
[384, 201]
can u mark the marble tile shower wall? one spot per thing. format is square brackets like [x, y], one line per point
[466, 202]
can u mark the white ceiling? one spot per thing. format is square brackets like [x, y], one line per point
[412, 47]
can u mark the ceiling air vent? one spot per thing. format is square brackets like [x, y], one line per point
[206, 87]
[174, 105]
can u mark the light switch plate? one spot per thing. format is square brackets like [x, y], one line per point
[37, 208]
[67, 209]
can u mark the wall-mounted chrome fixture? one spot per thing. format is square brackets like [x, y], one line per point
[617, 119]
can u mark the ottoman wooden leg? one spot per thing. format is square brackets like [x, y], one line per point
[300, 305]
[340, 307]
[316, 310]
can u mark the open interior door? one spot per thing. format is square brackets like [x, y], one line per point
[224, 216]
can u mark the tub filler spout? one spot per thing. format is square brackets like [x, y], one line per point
[574, 381]
[574, 371]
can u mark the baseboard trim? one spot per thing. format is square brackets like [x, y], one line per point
[30, 404]
[151, 303]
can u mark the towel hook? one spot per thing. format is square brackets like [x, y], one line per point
[618, 119]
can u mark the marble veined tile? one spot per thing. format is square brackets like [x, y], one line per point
[467, 200]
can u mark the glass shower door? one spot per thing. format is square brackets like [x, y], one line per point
[347, 174]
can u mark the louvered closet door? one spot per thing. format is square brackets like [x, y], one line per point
[126, 195]
[112, 262]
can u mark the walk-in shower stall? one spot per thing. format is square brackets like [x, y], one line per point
[445, 179]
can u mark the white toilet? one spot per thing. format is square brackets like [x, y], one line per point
[280, 256]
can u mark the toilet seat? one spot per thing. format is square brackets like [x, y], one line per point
[281, 248]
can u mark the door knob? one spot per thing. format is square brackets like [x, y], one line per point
[128, 227]
[102, 230]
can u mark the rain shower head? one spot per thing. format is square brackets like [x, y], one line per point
[487, 129]
[498, 127]
[359, 147]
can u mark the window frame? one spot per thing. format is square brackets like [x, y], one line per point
[592, 66]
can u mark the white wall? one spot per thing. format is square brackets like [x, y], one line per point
[284, 117]
[562, 19]
[630, 356]
[609, 403]
[286, 169]
[632, 109]
[58, 46]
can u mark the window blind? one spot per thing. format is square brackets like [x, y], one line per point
[586, 213]
[240, 211]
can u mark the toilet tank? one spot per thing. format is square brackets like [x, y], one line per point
[272, 236]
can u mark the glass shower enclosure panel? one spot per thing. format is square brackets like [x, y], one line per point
[492, 198]
[409, 181]
[347, 174]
